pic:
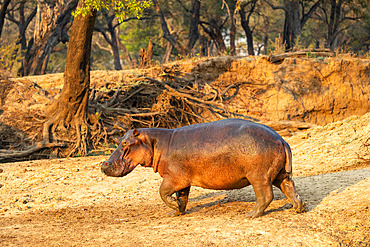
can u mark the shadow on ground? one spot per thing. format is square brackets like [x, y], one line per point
[312, 189]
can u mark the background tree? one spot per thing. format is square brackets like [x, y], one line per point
[296, 17]
[54, 26]
[21, 14]
[107, 26]
[338, 16]
[191, 24]
[214, 24]
[52, 30]
[3, 9]
[245, 20]
[231, 6]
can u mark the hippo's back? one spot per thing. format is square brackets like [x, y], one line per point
[224, 140]
[232, 132]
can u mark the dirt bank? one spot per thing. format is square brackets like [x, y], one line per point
[315, 90]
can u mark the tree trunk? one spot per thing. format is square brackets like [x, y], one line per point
[295, 20]
[265, 43]
[182, 48]
[70, 109]
[292, 23]
[333, 25]
[22, 24]
[166, 32]
[215, 34]
[245, 24]
[194, 32]
[231, 12]
[247, 30]
[167, 54]
[36, 61]
[113, 40]
[117, 61]
[3, 9]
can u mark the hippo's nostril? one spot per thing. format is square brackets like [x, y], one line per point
[105, 165]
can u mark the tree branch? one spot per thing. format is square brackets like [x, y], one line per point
[276, 7]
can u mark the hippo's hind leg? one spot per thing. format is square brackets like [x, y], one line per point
[166, 191]
[286, 185]
[264, 196]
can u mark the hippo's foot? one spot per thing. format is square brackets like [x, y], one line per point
[286, 185]
[298, 204]
[299, 207]
[252, 214]
[174, 213]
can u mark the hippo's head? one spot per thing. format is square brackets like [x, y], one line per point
[132, 151]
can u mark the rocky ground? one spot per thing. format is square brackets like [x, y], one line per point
[69, 202]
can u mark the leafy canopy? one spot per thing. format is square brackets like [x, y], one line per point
[121, 8]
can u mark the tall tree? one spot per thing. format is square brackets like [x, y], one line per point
[71, 107]
[231, 6]
[53, 29]
[192, 14]
[22, 19]
[245, 20]
[107, 27]
[296, 17]
[214, 29]
[338, 16]
[70, 111]
[214, 23]
[3, 10]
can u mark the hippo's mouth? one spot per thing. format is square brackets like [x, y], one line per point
[127, 167]
[125, 163]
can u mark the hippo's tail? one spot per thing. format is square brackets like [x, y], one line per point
[288, 159]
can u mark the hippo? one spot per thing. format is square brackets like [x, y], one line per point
[221, 155]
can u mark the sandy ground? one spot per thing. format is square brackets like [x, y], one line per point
[69, 202]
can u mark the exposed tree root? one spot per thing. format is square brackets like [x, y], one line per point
[13, 154]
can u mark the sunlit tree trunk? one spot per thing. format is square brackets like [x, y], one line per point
[70, 109]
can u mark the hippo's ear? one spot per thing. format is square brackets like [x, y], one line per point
[135, 133]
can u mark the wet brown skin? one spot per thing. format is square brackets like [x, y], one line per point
[221, 155]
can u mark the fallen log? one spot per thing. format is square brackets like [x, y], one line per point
[302, 53]
[286, 124]
[13, 154]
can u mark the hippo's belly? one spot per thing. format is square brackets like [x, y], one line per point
[217, 184]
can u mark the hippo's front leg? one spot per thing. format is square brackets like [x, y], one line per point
[182, 198]
[166, 191]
